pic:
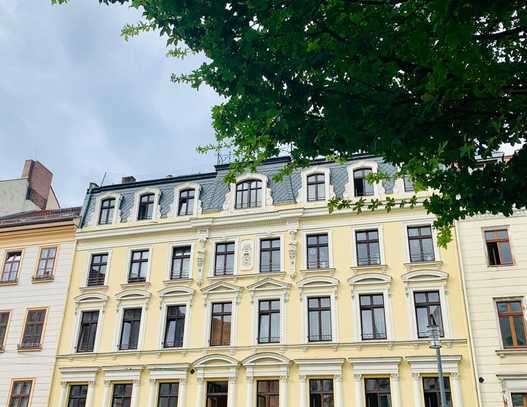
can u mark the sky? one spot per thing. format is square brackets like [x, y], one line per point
[79, 98]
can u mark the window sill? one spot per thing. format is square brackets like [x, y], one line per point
[247, 275]
[319, 270]
[10, 282]
[419, 265]
[369, 268]
[38, 280]
[22, 348]
[135, 284]
[512, 351]
[177, 281]
[91, 288]
[504, 267]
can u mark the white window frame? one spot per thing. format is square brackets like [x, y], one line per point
[427, 280]
[303, 235]
[148, 265]
[320, 368]
[119, 374]
[229, 205]
[420, 223]
[512, 384]
[168, 374]
[71, 376]
[137, 197]
[128, 299]
[329, 191]
[172, 246]
[207, 369]
[269, 289]
[349, 189]
[319, 287]
[212, 257]
[371, 283]
[216, 293]
[282, 252]
[175, 296]
[92, 253]
[197, 207]
[353, 239]
[85, 303]
[97, 211]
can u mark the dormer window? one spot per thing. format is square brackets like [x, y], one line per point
[146, 206]
[248, 194]
[107, 211]
[316, 187]
[361, 186]
[186, 202]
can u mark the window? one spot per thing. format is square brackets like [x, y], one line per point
[175, 326]
[377, 392]
[269, 321]
[267, 393]
[11, 266]
[122, 395]
[519, 399]
[138, 266]
[361, 186]
[372, 316]
[186, 202]
[4, 319]
[321, 393]
[146, 207]
[168, 394]
[20, 393]
[87, 331]
[319, 319]
[316, 187]
[432, 394]
[78, 394]
[130, 329]
[217, 394]
[97, 272]
[317, 251]
[368, 252]
[269, 255]
[107, 211]
[428, 312]
[220, 330]
[32, 337]
[180, 263]
[512, 324]
[420, 243]
[498, 247]
[408, 185]
[249, 194]
[46, 263]
[224, 259]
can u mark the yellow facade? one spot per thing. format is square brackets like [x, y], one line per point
[346, 359]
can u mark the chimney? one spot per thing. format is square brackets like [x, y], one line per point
[39, 179]
[128, 180]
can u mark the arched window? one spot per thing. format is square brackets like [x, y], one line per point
[146, 206]
[316, 187]
[186, 202]
[248, 194]
[361, 186]
[107, 211]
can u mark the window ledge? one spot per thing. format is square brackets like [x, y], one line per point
[513, 351]
[504, 267]
[22, 348]
[247, 275]
[373, 267]
[91, 288]
[38, 280]
[319, 270]
[9, 282]
[140, 284]
[177, 281]
[418, 265]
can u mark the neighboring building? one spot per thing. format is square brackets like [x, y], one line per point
[36, 254]
[31, 192]
[187, 291]
[494, 262]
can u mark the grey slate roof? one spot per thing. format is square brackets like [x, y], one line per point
[214, 189]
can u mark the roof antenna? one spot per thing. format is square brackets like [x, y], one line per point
[103, 179]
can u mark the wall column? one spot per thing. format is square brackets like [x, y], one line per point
[107, 390]
[283, 391]
[358, 389]
[231, 395]
[63, 393]
[302, 390]
[416, 378]
[395, 387]
[135, 393]
[250, 391]
[89, 395]
[152, 393]
[339, 396]
[199, 393]
[456, 390]
[182, 392]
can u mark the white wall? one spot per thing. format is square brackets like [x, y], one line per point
[484, 285]
[13, 197]
[26, 294]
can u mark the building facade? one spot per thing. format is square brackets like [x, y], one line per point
[494, 264]
[187, 291]
[36, 254]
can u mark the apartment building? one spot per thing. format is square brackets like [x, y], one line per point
[187, 291]
[494, 262]
[36, 253]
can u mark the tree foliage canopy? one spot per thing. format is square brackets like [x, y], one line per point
[433, 86]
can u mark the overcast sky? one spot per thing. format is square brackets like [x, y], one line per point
[77, 97]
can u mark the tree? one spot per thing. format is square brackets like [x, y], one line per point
[433, 86]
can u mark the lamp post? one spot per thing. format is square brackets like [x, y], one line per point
[434, 332]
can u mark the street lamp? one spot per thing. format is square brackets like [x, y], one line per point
[434, 333]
